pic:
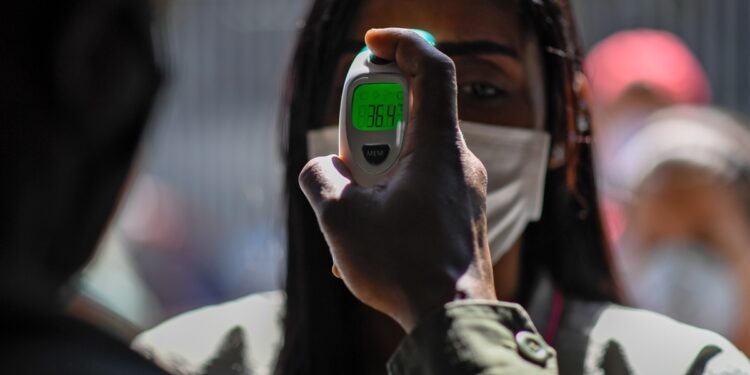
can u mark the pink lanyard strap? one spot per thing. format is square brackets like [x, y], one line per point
[555, 316]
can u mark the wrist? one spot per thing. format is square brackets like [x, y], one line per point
[476, 287]
[470, 286]
[424, 303]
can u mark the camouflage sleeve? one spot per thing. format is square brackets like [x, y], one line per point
[474, 337]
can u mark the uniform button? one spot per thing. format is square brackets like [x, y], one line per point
[532, 347]
[376, 154]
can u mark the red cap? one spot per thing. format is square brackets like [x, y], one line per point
[655, 59]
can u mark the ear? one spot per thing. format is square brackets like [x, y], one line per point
[106, 71]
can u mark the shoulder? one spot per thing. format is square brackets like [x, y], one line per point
[243, 334]
[651, 343]
[64, 345]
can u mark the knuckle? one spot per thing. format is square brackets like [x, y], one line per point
[478, 171]
[429, 58]
[308, 173]
[438, 63]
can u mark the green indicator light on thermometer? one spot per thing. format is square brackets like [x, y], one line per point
[424, 34]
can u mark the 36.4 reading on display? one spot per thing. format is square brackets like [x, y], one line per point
[377, 106]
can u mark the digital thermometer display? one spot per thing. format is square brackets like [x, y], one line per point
[373, 116]
[378, 106]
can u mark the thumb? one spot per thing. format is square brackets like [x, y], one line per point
[433, 80]
[324, 179]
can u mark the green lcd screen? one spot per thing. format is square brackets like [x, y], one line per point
[378, 106]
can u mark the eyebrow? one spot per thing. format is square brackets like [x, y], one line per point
[474, 47]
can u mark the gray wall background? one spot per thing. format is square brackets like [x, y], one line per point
[213, 147]
[216, 135]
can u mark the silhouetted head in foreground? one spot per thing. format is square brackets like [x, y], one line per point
[77, 79]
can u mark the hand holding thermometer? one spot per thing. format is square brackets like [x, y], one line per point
[390, 223]
[373, 116]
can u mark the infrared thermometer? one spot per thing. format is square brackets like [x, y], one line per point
[373, 116]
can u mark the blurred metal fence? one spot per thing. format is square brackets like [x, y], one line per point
[204, 220]
[216, 135]
[716, 30]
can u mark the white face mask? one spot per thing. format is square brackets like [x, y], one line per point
[516, 162]
[687, 281]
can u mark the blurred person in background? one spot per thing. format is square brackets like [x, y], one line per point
[631, 74]
[686, 250]
[521, 102]
[78, 79]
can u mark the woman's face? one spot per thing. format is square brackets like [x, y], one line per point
[498, 63]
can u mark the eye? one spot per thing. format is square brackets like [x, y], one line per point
[481, 90]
